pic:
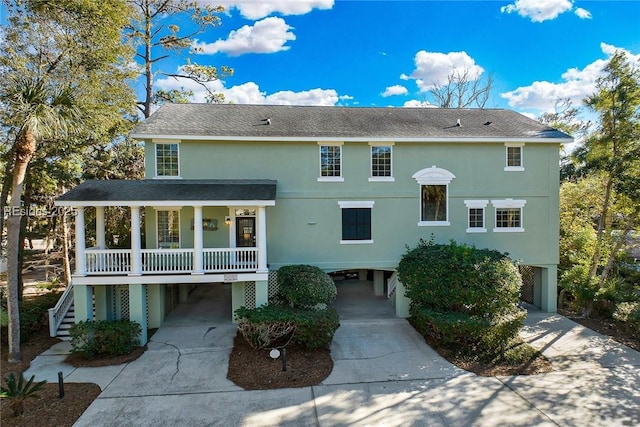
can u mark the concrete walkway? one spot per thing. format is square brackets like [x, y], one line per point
[384, 374]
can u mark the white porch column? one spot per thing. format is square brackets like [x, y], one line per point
[197, 241]
[138, 309]
[549, 289]
[378, 283]
[402, 302]
[262, 240]
[83, 303]
[81, 268]
[238, 298]
[100, 228]
[136, 240]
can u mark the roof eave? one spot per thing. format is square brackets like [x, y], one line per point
[163, 203]
[452, 139]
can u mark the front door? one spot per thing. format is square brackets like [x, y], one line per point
[245, 232]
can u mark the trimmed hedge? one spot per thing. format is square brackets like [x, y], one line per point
[462, 295]
[462, 328]
[305, 286]
[104, 337]
[460, 278]
[313, 328]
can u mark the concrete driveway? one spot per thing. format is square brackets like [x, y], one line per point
[384, 375]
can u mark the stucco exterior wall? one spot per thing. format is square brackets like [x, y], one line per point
[305, 224]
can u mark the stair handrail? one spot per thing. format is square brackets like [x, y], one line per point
[57, 313]
[391, 284]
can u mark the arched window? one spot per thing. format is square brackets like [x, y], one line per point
[434, 195]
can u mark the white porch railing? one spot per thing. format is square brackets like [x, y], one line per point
[57, 313]
[391, 284]
[108, 261]
[160, 261]
[230, 259]
[167, 260]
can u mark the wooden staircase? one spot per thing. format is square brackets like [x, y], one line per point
[63, 329]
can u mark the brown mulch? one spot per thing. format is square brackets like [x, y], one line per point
[254, 369]
[538, 365]
[50, 409]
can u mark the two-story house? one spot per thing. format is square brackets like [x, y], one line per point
[233, 192]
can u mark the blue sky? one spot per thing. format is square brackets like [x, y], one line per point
[389, 53]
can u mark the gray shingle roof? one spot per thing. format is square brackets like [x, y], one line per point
[239, 121]
[150, 191]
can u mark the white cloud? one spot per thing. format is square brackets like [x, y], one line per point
[395, 90]
[250, 93]
[266, 36]
[416, 103]
[543, 10]
[582, 13]
[576, 84]
[306, 97]
[254, 9]
[433, 68]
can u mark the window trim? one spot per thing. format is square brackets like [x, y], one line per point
[157, 142]
[168, 209]
[433, 176]
[358, 204]
[321, 178]
[389, 178]
[508, 204]
[508, 168]
[477, 204]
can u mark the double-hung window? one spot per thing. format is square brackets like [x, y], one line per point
[381, 162]
[509, 218]
[514, 157]
[168, 228]
[331, 162]
[476, 216]
[356, 222]
[434, 196]
[167, 160]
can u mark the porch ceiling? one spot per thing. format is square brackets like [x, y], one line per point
[171, 192]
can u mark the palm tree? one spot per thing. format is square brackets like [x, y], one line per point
[38, 112]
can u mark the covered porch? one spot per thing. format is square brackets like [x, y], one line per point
[195, 231]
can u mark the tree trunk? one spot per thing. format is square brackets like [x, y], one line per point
[6, 185]
[147, 65]
[602, 226]
[24, 221]
[25, 147]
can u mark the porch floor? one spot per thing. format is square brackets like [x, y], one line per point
[208, 303]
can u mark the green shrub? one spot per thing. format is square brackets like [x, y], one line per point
[460, 278]
[104, 337]
[316, 328]
[629, 313]
[18, 390]
[462, 295]
[34, 314]
[470, 330]
[312, 328]
[268, 326]
[305, 286]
